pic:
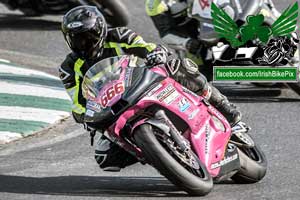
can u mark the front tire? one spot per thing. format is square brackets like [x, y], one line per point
[168, 166]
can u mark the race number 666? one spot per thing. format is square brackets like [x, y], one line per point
[110, 93]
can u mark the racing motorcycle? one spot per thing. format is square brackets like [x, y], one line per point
[166, 125]
[201, 10]
[114, 11]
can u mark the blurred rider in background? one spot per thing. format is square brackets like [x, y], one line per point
[179, 31]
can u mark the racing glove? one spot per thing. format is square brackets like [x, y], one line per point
[158, 56]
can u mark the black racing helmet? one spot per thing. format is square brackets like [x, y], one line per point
[85, 30]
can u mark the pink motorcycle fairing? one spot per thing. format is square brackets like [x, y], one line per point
[208, 131]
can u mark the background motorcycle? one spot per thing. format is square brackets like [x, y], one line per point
[242, 9]
[114, 11]
[166, 125]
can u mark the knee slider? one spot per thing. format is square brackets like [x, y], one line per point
[100, 159]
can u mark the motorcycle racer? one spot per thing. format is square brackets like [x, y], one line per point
[86, 33]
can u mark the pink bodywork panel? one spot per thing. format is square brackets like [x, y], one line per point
[208, 141]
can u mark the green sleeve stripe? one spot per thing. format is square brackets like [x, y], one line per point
[139, 43]
[116, 46]
[77, 107]
[148, 46]
[78, 65]
[155, 7]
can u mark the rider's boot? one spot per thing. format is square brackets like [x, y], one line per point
[219, 101]
[111, 157]
[186, 72]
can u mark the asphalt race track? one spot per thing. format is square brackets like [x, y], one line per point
[59, 164]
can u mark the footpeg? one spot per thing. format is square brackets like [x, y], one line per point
[240, 135]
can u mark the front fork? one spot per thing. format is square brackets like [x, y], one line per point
[240, 137]
[183, 143]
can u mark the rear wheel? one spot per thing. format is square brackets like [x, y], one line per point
[115, 12]
[253, 165]
[295, 87]
[183, 169]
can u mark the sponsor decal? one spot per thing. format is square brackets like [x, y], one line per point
[89, 113]
[168, 95]
[224, 161]
[204, 3]
[111, 92]
[128, 76]
[151, 92]
[93, 106]
[207, 137]
[183, 104]
[193, 114]
[217, 113]
[169, 99]
[75, 25]
[189, 92]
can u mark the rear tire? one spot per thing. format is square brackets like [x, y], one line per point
[253, 165]
[295, 87]
[168, 166]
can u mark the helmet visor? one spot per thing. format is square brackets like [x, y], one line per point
[84, 42]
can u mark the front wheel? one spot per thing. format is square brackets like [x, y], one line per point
[253, 165]
[173, 165]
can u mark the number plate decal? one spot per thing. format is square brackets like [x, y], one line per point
[110, 93]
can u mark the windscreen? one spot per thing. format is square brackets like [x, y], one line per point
[104, 72]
